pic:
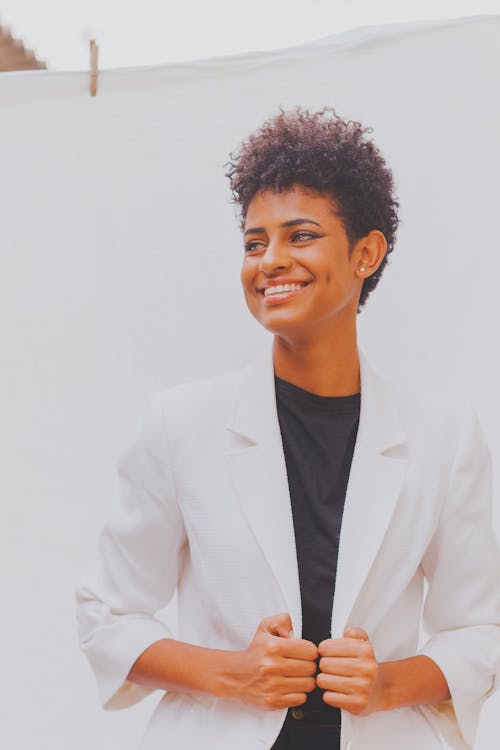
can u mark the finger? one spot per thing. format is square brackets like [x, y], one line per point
[345, 647]
[352, 703]
[288, 700]
[356, 633]
[342, 666]
[298, 685]
[296, 667]
[297, 648]
[280, 625]
[345, 685]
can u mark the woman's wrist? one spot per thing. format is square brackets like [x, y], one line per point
[386, 692]
[174, 665]
[223, 674]
[409, 682]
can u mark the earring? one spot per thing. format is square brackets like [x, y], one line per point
[362, 269]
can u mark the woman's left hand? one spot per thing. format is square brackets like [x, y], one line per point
[349, 673]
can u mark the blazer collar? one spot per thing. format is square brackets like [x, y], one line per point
[377, 473]
[259, 474]
[254, 414]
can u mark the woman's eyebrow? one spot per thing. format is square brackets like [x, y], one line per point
[291, 223]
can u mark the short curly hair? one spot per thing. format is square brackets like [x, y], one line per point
[325, 153]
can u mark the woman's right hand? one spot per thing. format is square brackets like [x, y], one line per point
[276, 670]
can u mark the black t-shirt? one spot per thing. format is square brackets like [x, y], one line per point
[318, 434]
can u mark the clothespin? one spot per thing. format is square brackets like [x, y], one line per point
[94, 53]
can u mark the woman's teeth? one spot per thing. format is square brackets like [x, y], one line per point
[280, 288]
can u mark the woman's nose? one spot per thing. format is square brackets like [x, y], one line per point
[275, 257]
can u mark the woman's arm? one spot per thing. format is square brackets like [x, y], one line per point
[462, 607]
[275, 671]
[142, 549]
[353, 680]
[411, 682]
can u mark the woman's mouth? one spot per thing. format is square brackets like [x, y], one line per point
[282, 292]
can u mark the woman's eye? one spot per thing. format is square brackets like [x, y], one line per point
[252, 245]
[301, 236]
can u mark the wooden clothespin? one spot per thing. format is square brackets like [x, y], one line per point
[94, 54]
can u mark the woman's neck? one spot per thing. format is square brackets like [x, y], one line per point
[328, 366]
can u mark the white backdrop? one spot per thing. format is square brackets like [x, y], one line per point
[120, 255]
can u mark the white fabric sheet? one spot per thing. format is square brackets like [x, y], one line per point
[120, 254]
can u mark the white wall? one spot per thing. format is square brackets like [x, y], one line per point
[120, 254]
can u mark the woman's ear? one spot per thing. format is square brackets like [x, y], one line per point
[368, 253]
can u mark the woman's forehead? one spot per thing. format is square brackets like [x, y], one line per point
[289, 202]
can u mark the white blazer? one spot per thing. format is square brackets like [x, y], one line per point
[204, 510]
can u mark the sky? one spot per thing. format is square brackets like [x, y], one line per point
[151, 32]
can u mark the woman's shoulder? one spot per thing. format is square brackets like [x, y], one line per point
[434, 415]
[433, 403]
[191, 394]
[193, 406]
[184, 414]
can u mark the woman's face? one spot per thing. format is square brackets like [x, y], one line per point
[297, 274]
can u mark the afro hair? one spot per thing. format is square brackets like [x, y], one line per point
[329, 155]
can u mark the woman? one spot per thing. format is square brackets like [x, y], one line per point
[298, 506]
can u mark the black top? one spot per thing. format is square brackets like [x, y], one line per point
[318, 434]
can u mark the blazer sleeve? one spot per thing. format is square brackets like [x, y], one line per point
[140, 555]
[462, 567]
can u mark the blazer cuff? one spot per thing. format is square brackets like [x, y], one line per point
[113, 649]
[469, 672]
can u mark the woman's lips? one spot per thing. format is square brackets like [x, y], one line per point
[277, 298]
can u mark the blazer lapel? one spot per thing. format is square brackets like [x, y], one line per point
[257, 467]
[375, 481]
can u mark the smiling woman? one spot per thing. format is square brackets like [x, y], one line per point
[311, 254]
[275, 501]
[326, 156]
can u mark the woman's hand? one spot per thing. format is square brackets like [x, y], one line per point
[349, 673]
[276, 670]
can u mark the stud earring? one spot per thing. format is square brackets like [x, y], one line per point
[362, 269]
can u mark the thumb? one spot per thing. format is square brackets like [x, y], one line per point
[359, 633]
[280, 625]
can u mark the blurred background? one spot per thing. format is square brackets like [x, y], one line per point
[153, 32]
[120, 254]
